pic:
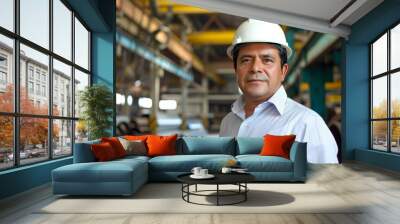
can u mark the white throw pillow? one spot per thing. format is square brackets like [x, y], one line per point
[133, 147]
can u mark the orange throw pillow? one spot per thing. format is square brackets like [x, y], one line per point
[161, 145]
[277, 145]
[103, 151]
[116, 145]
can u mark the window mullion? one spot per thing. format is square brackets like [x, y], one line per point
[16, 85]
[50, 81]
[73, 82]
[389, 93]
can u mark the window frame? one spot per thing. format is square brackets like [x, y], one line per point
[16, 114]
[388, 74]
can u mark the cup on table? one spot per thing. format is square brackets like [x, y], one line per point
[203, 172]
[226, 170]
[196, 171]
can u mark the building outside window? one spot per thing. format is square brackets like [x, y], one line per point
[385, 94]
[34, 75]
[30, 72]
[37, 75]
[3, 71]
[30, 87]
[43, 77]
[3, 78]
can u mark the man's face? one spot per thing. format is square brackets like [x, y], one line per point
[259, 72]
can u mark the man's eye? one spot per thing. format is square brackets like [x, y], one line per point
[268, 60]
[245, 60]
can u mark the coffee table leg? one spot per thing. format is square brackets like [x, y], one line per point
[245, 191]
[217, 194]
[196, 188]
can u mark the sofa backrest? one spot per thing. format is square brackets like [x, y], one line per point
[206, 145]
[83, 152]
[249, 145]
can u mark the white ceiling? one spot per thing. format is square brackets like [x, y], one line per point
[314, 15]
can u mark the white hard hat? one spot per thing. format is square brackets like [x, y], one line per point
[256, 31]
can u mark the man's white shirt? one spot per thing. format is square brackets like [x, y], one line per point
[281, 115]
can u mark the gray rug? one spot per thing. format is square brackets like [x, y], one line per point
[166, 198]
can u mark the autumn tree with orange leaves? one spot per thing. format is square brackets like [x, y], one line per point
[33, 130]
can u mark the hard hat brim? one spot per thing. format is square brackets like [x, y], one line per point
[229, 50]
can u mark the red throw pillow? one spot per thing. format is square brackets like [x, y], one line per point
[277, 145]
[161, 145]
[103, 151]
[116, 145]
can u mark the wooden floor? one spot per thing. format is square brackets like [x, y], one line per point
[377, 188]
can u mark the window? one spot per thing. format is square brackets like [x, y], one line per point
[81, 45]
[38, 89]
[30, 87]
[6, 89]
[30, 72]
[3, 61]
[7, 14]
[43, 90]
[3, 78]
[62, 30]
[41, 82]
[62, 75]
[385, 94]
[3, 71]
[37, 75]
[34, 22]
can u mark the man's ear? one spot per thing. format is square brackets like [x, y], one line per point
[285, 69]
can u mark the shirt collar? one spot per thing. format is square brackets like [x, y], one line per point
[278, 100]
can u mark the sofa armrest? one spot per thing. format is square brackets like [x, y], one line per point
[83, 152]
[298, 155]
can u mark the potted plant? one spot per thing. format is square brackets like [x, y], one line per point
[96, 102]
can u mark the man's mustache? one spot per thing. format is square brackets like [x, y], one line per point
[256, 77]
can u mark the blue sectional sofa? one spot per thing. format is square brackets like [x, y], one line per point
[125, 176]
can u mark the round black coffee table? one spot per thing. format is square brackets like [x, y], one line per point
[238, 179]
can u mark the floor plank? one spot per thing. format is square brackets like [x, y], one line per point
[376, 189]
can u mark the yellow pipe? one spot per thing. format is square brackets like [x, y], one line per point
[223, 37]
[183, 9]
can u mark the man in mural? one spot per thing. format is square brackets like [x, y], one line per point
[259, 52]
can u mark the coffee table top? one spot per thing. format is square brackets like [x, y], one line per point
[220, 178]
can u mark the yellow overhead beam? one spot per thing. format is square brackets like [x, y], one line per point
[159, 2]
[182, 9]
[174, 44]
[223, 37]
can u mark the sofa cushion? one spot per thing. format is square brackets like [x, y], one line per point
[103, 152]
[98, 172]
[116, 145]
[206, 145]
[275, 145]
[135, 137]
[249, 145]
[257, 163]
[134, 147]
[185, 163]
[161, 145]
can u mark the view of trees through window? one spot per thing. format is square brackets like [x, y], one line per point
[40, 82]
[385, 94]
